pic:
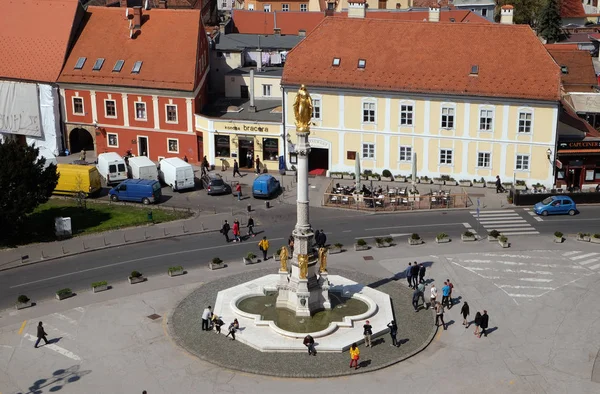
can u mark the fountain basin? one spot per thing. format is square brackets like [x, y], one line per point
[338, 336]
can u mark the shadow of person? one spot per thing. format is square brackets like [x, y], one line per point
[54, 340]
[364, 364]
[491, 330]
[377, 342]
[403, 341]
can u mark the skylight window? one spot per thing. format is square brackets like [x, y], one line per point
[98, 64]
[362, 63]
[80, 63]
[564, 69]
[475, 69]
[136, 67]
[336, 61]
[118, 66]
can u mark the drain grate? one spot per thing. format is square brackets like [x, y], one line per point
[154, 316]
[368, 258]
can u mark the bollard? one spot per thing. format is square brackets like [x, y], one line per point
[146, 234]
[124, 237]
[83, 243]
[184, 230]
[202, 226]
[105, 243]
[249, 208]
[165, 232]
[267, 204]
[42, 256]
[63, 249]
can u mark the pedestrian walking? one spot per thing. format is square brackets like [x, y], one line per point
[408, 273]
[485, 319]
[499, 187]
[238, 191]
[317, 238]
[450, 302]
[422, 270]
[415, 274]
[257, 165]
[225, 230]
[477, 323]
[415, 300]
[236, 168]
[433, 297]
[41, 334]
[445, 294]
[249, 159]
[367, 332]
[236, 231]
[233, 327]
[439, 314]
[205, 166]
[250, 226]
[322, 238]
[206, 315]
[263, 245]
[393, 332]
[309, 342]
[354, 356]
[464, 311]
[421, 288]
[218, 324]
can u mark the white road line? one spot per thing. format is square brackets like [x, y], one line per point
[539, 219]
[571, 253]
[587, 261]
[57, 349]
[583, 256]
[593, 267]
[501, 226]
[65, 318]
[508, 270]
[412, 226]
[536, 280]
[525, 287]
[527, 209]
[498, 211]
[467, 225]
[80, 309]
[494, 221]
[347, 231]
[134, 260]
[487, 215]
[521, 232]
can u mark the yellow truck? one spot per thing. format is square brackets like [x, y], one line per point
[74, 179]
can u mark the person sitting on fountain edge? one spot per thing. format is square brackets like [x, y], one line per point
[309, 342]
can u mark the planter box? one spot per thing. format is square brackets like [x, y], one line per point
[374, 178]
[250, 261]
[337, 176]
[212, 266]
[401, 179]
[415, 241]
[425, 181]
[465, 184]
[558, 240]
[98, 289]
[520, 187]
[22, 305]
[136, 280]
[464, 238]
[451, 183]
[359, 248]
[442, 240]
[491, 185]
[383, 245]
[363, 177]
[585, 238]
[175, 273]
[478, 184]
[276, 257]
[386, 179]
[334, 250]
[595, 240]
[438, 182]
[63, 296]
[492, 239]
[503, 244]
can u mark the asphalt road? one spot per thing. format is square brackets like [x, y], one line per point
[41, 280]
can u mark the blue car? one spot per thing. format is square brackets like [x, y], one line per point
[265, 186]
[138, 190]
[555, 205]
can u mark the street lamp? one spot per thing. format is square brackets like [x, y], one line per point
[548, 153]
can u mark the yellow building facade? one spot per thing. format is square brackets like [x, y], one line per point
[465, 138]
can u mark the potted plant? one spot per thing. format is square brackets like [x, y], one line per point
[23, 302]
[479, 183]
[250, 259]
[276, 255]
[583, 237]
[361, 244]
[382, 243]
[503, 241]
[507, 185]
[402, 178]
[386, 176]
[491, 184]
[450, 181]
[438, 181]
[520, 185]
[63, 293]
[468, 236]
[135, 277]
[493, 235]
[335, 248]
[175, 271]
[215, 264]
[99, 286]
[366, 174]
[509, 199]
[414, 239]
[336, 174]
[558, 237]
[442, 238]
[425, 179]
[595, 239]
[374, 177]
[388, 240]
[464, 183]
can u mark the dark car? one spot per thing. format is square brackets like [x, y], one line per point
[214, 184]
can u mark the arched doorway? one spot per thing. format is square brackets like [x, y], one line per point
[80, 139]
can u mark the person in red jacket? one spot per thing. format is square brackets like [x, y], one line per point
[236, 231]
[238, 190]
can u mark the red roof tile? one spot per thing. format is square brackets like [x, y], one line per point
[568, 116]
[168, 63]
[571, 9]
[34, 38]
[563, 47]
[429, 3]
[425, 57]
[581, 76]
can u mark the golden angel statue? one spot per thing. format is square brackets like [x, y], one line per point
[303, 110]
[303, 265]
[323, 259]
[283, 255]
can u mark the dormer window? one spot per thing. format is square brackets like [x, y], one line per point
[564, 69]
[336, 61]
[362, 63]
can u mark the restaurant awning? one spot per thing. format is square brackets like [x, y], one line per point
[578, 151]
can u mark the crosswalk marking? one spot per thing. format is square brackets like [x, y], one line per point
[533, 215]
[593, 267]
[576, 256]
[571, 253]
[507, 222]
[583, 256]
[590, 261]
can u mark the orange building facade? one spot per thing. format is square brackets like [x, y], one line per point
[272, 6]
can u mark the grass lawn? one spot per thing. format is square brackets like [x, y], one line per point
[97, 217]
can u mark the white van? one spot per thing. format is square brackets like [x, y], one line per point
[141, 167]
[111, 167]
[176, 173]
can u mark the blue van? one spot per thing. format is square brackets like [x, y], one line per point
[139, 190]
[265, 186]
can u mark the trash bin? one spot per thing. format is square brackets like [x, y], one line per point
[267, 204]
[150, 218]
[249, 208]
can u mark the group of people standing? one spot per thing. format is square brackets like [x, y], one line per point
[237, 237]
[211, 320]
[481, 321]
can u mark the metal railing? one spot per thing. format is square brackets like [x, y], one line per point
[397, 202]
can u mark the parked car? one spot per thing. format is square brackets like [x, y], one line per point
[265, 186]
[555, 205]
[111, 167]
[214, 184]
[176, 173]
[74, 179]
[138, 190]
[141, 167]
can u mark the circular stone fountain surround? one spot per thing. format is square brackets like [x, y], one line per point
[266, 336]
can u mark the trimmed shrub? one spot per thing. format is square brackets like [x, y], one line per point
[558, 234]
[135, 274]
[414, 236]
[22, 299]
[494, 233]
[100, 284]
[361, 242]
[386, 174]
[62, 292]
[176, 268]
[388, 239]
[503, 239]
[468, 234]
[250, 256]
[442, 236]
[217, 260]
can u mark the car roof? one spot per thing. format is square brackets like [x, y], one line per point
[264, 177]
[139, 181]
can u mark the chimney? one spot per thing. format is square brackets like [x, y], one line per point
[162, 4]
[357, 9]
[222, 28]
[277, 31]
[252, 107]
[434, 13]
[301, 33]
[123, 3]
[137, 17]
[506, 14]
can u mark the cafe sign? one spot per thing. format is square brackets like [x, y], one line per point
[579, 145]
[245, 128]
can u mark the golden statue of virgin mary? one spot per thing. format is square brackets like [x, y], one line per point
[303, 110]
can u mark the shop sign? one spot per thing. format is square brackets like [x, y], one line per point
[253, 128]
[579, 145]
[318, 143]
[559, 164]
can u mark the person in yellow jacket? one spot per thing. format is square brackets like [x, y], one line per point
[264, 246]
[354, 356]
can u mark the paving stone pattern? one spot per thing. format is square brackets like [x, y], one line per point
[415, 330]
